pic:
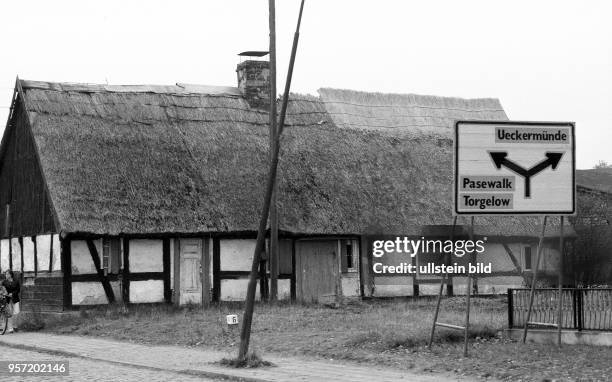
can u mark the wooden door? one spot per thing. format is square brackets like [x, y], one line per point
[191, 271]
[316, 269]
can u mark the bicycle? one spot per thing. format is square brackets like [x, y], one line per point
[4, 313]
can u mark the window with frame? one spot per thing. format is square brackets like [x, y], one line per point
[527, 262]
[349, 255]
[111, 255]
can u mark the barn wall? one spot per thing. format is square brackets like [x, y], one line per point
[496, 254]
[235, 260]
[81, 260]
[499, 284]
[28, 254]
[146, 255]
[4, 254]
[392, 286]
[235, 290]
[22, 184]
[57, 253]
[16, 248]
[88, 293]
[237, 254]
[147, 291]
[43, 250]
[504, 272]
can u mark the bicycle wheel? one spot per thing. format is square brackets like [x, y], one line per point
[3, 322]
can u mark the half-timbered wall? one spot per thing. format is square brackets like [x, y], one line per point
[146, 260]
[29, 255]
[511, 268]
[114, 269]
[233, 263]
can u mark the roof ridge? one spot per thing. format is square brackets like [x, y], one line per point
[178, 88]
[365, 92]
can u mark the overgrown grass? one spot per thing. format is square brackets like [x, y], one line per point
[283, 327]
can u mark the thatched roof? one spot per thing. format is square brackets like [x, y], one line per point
[406, 114]
[193, 159]
[595, 179]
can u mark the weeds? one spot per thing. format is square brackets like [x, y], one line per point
[252, 360]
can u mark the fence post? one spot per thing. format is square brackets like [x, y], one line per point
[510, 309]
[574, 307]
[580, 309]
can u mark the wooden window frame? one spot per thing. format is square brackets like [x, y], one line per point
[354, 255]
[527, 265]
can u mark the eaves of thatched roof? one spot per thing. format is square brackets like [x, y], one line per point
[193, 159]
[595, 179]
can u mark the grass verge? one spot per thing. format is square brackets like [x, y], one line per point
[391, 333]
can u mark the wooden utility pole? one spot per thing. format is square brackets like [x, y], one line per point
[274, 253]
[245, 333]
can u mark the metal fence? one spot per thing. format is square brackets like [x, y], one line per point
[582, 308]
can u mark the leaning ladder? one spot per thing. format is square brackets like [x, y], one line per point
[443, 281]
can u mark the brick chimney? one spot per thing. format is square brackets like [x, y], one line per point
[254, 82]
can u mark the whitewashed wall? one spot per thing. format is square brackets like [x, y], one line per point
[28, 254]
[496, 254]
[16, 254]
[43, 251]
[146, 291]
[236, 254]
[88, 293]
[57, 252]
[4, 254]
[499, 284]
[389, 286]
[146, 255]
[235, 290]
[82, 262]
[434, 289]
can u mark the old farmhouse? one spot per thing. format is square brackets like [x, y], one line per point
[146, 194]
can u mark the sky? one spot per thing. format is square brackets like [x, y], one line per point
[544, 60]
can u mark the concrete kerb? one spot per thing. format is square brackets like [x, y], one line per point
[200, 373]
[568, 337]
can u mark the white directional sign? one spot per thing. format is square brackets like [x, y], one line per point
[512, 168]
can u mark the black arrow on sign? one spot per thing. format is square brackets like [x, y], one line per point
[552, 160]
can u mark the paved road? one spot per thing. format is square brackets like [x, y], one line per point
[90, 370]
[192, 362]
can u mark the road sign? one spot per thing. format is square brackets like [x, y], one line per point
[511, 168]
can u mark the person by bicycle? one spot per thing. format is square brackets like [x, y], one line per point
[12, 287]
